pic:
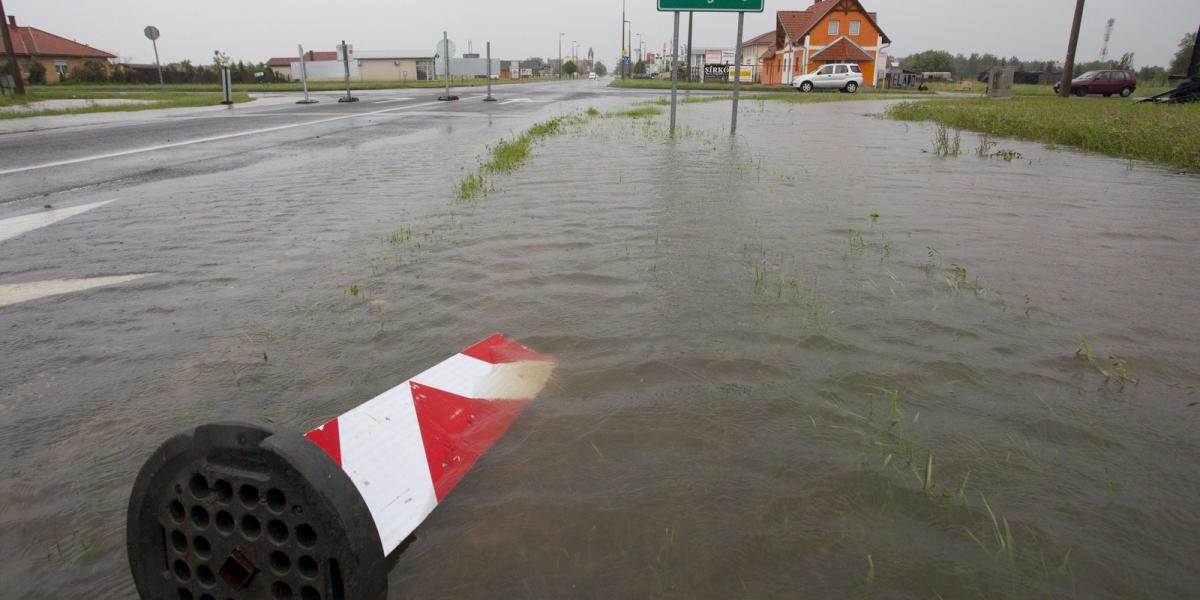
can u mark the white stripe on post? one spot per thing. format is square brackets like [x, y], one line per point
[408, 447]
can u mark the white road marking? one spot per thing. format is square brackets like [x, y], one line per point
[391, 100]
[15, 293]
[214, 138]
[15, 226]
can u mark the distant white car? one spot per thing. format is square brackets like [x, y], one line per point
[847, 77]
[592, 75]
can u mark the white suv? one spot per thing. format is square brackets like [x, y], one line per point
[847, 77]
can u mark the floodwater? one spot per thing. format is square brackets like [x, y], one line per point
[762, 390]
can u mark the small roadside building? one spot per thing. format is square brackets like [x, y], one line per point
[57, 54]
[753, 51]
[282, 66]
[395, 65]
[828, 31]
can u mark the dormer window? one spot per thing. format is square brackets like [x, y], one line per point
[835, 27]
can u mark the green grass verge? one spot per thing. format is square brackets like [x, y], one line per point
[1024, 89]
[168, 100]
[314, 86]
[1164, 134]
[659, 84]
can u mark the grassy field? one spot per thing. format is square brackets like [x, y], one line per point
[659, 84]
[1164, 134]
[171, 99]
[313, 86]
[1023, 89]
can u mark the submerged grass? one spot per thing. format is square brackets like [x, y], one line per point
[640, 112]
[509, 154]
[1164, 134]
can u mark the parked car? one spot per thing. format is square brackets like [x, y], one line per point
[846, 77]
[591, 75]
[1107, 82]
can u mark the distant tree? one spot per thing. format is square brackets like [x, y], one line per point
[639, 68]
[569, 68]
[1149, 75]
[930, 60]
[220, 60]
[37, 71]
[1183, 56]
[600, 69]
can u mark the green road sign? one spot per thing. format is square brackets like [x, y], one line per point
[711, 5]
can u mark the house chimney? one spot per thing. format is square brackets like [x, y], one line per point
[12, 20]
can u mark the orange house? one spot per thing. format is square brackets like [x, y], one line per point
[828, 31]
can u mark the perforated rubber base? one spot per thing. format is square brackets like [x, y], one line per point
[231, 510]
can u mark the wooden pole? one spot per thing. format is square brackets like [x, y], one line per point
[1064, 89]
[13, 67]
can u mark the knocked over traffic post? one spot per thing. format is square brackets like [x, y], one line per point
[231, 510]
[345, 52]
[152, 34]
[304, 77]
[739, 6]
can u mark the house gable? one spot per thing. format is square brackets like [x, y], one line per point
[793, 25]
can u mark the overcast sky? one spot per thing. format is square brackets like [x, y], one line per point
[255, 30]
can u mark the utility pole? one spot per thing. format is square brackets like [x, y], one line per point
[560, 37]
[691, 17]
[13, 67]
[623, 22]
[1064, 90]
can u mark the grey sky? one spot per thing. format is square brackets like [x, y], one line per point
[255, 30]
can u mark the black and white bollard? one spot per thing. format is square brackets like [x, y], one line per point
[232, 510]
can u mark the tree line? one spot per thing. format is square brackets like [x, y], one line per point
[971, 66]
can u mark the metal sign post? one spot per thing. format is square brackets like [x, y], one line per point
[227, 87]
[152, 34]
[741, 7]
[304, 77]
[674, 72]
[346, 50]
[445, 49]
[489, 97]
[737, 74]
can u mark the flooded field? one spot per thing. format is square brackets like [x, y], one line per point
[819, 361]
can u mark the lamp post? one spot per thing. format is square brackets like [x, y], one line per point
[639, 47]
[628, 53]
[560, 39]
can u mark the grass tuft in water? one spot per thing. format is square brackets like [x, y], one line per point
[944, 144]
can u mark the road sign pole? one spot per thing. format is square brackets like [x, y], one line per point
[162, 87]
[346, 66]
[304, 77]
[446, 59]
[489, 74]
[674, 72]
[737, 75]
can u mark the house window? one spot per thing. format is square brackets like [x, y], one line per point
[835, 27]
[855, 27]
[60, 66]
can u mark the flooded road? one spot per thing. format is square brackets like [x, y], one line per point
[763, 390]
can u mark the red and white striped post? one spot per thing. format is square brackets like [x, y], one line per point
[242, 511]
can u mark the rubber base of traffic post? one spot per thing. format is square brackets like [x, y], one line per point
[307, 101]
[447, 98]
[348, 99]
[232, 510]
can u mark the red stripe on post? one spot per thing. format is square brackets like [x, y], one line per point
[456, 431]
[498, 349]
[327, 438]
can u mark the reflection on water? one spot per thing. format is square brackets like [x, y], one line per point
[762, 390]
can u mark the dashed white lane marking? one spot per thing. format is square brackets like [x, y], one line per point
[214, 138]
[12, 227]
[516, 100]
[391, 100]
[14, 293]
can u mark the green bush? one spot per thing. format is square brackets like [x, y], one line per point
[90, 71]
[37, 71]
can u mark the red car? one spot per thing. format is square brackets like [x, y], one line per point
[1108, 82]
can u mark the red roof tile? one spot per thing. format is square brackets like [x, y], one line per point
[280, 61]
[318, 56]
[797, 23]
[31, 41]
[842, 50]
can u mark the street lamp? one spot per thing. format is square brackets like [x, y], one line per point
[639, 47]
[560, 38]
